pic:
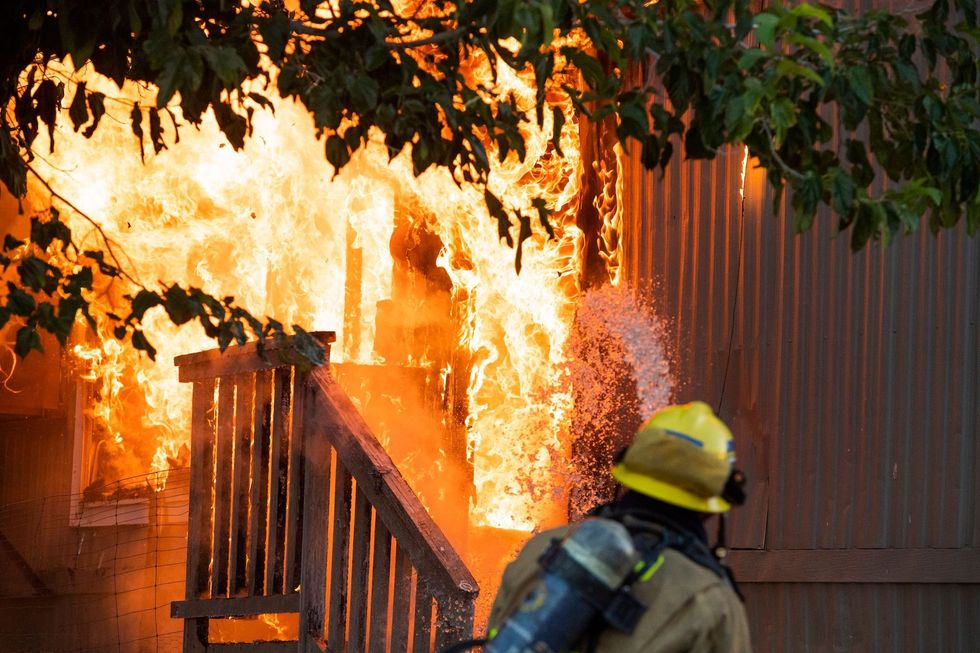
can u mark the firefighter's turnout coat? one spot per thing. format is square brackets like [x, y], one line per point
[691, 608]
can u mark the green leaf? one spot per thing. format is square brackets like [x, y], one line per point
[275, 33]
[174, 14]
[694, 145]
[38, 275]
[78, 111]
[765, 28]
[337, 153]
[650, 154]
[363, 93]
[523, 234]
[633, 119]
[183, 70]
[156, 132]
[861, 170]
[558, 121]
[789, 68]
[45, 232]
[859, 81]
[19, 302]
[816, 46]
[496, 209]
[142, 302]
[78, 281]
[136, 117]
[47, 98]
[27, 339]
[96, 105]
[135, 22]
[376, 56]
[262, 101]
[806, 197]
[934, 195]
[750, 57]
[11, 243]
[812, 11]
[421, 157]
[179, 305]
[871, 217]
[842, 190]
[973, 217]
[226, 64]
[99, 258]
[140, 343]
[541, 206]
[782, 112]
[232, 125]
[588, 65]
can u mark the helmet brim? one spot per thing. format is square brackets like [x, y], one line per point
[671, 494]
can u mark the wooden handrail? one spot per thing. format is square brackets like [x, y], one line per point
[387, 490]
[240, 358]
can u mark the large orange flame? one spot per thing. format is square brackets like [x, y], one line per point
[273, 226]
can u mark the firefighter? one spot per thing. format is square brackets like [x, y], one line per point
[677, 472]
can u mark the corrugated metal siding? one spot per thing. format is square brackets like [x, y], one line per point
[850, 381]
[847, 617]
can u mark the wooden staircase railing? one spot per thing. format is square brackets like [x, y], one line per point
[296, 508]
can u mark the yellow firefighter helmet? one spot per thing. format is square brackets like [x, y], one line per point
[682, 455]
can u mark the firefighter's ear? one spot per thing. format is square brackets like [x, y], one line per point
[734, 490]
[619, 455]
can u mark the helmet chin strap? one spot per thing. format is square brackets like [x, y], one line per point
[721, 549]
[733, 493]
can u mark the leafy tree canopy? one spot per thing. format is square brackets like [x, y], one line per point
[825, 100]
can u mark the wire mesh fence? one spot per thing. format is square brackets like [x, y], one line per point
[81, 574]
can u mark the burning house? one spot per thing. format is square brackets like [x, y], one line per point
[475, 405]
[463, 371]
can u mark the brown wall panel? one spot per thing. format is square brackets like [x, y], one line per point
[851, 383]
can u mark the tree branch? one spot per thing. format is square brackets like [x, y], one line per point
[786, 168]
[441, 37]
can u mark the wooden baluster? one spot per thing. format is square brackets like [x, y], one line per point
[278, 468]
[244, 389]
[294, 510]
[454, 620]
[258, 518]
[361, 552]
[316, 514]
[222, 483]
[199, 516]
[380, 573]
[336, 638]
[423, 618]
[401, 601]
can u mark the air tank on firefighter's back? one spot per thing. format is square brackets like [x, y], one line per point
[578, 576]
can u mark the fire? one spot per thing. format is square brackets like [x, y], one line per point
[274, 227]
[741, 179]
[610, 207]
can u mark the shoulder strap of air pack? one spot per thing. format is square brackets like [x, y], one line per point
[652, 537]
